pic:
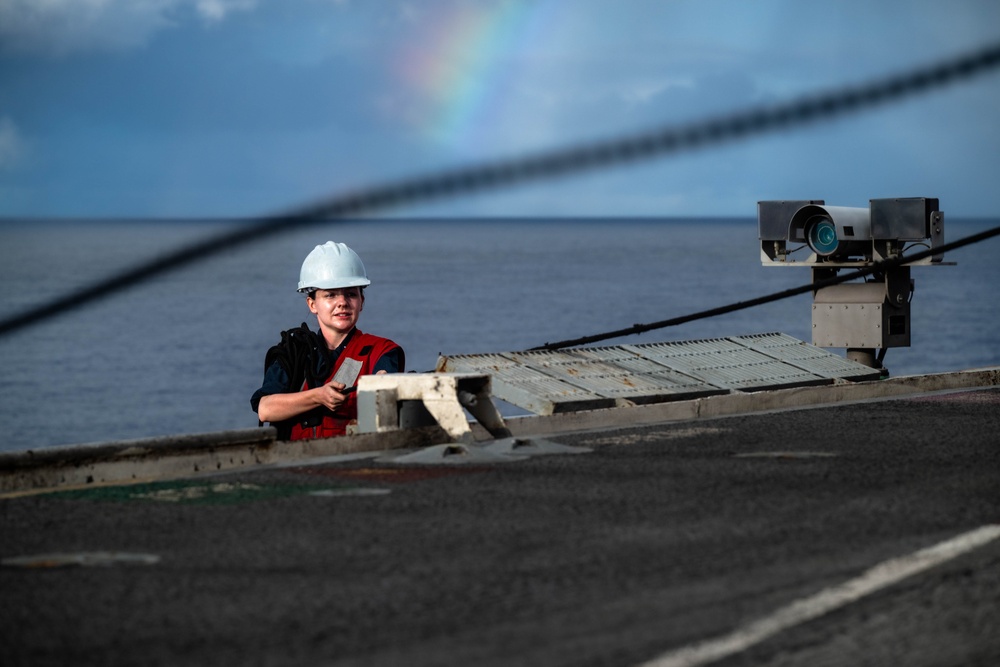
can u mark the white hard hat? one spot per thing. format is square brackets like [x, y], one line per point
[332, 266]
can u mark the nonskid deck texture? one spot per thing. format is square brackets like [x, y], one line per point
[821, 537]
[548, 382]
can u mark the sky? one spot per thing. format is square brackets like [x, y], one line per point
[221, 108]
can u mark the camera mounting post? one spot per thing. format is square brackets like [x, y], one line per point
[865, 318]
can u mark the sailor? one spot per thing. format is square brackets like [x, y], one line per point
[309, 377]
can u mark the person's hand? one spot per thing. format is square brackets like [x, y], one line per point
[330, 396]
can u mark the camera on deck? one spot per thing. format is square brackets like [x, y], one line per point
[812, 233]
[860, 317]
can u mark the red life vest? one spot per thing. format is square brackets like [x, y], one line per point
[367, 349]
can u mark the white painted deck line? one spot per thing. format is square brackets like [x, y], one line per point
[881, 576]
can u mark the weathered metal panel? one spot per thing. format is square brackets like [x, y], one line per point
[525, 386]
[596, 377]
[726, 363]
[604, 375]
[670, 380]
[651, 381]
[809, 357]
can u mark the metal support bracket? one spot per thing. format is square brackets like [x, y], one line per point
[444, 395]
[865, 315]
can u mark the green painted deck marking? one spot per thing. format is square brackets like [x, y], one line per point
[391, 475]
[194, 492]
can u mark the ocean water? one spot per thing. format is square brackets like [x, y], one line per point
[183, 352]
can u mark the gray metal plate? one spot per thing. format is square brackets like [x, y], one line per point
[599, 377]
[809, 357]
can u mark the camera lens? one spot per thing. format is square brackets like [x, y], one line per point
[821, 234]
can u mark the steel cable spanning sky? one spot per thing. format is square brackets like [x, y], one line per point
[546, 165]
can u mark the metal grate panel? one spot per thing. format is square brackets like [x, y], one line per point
[599, 377]
[727, 364]
[809, 357]
[613, 375]
[524, 386]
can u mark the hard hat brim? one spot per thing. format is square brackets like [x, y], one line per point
[336, 284]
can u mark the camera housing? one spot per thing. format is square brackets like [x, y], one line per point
[861, 317]
[846, 236]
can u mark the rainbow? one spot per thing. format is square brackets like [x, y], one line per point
[460, 66]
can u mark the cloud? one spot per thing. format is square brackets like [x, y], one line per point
[642, 92]
[62, 27]
[216, 10]
[11, 144]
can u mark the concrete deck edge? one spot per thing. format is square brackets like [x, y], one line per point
[173, 457]
[157, 459]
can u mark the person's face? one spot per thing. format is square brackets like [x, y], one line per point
[337, 310]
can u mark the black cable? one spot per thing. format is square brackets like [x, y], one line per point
[560, 162]
[777, 296]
